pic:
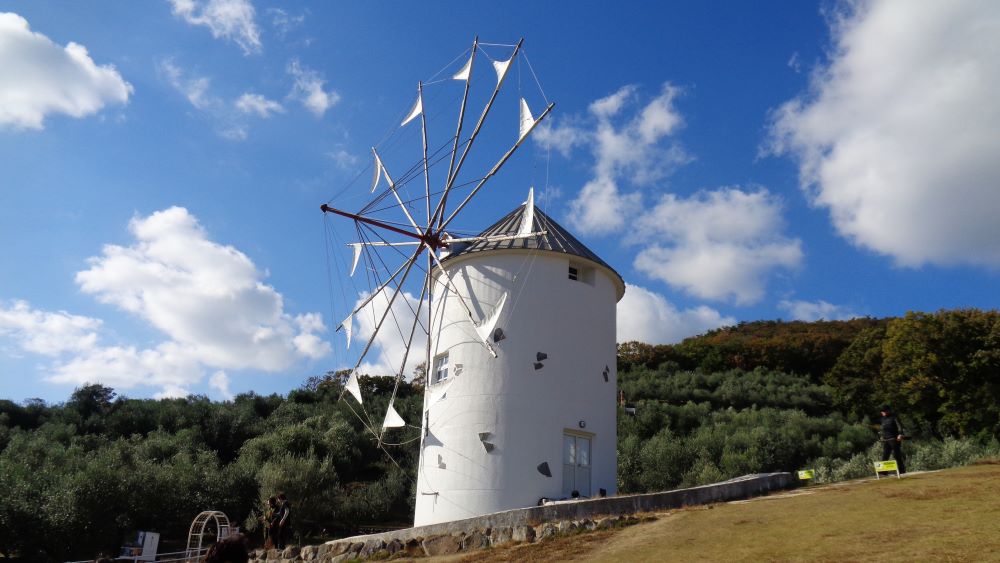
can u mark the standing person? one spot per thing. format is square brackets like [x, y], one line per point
[269, 522]
[892, 438]
[283, 524]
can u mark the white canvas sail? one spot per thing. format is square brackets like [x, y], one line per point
[527, 121]
[352, 386]
[357, 256]
[485, 329]
[501, 67]
[465, 72]
[379, 170]
[348, 326]
[392, 418]
[528, 216]
[418, 108]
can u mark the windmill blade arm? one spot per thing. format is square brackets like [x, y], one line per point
[392, 188]
[494, 170]
[439, 212]
[467, 71]
[381, 243]
[374, 222]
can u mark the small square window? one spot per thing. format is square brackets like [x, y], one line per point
[580, 273]
[440, 368]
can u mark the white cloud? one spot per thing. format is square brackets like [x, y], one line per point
[258, 104]
[391, 340]
[897, 136]
[630, 150]
[195, 89]
[601, 208]
[227, 19]
[172, 392]
[227, 120]
[208, 299]
[283, 22]
[204, 295]
[343, 159]
[235, 132]
[47, 333]
[168, 366]
[716, 245]
[220, 382]
[719, 244]
[794, 63]
[816, 310]
[562, 135]
[308, 89]
[39, 77]
[646, 316]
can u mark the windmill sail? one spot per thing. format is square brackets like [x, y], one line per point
[418, 108]
[357, 256]
[528, 217]
[485, 329]
[348, 326]
[379, 170]
[501, 67]
[392, 418]
[527, 121]
[465, 72]
[352, 386]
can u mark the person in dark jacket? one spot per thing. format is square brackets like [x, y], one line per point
[282, 522]
[892, 438]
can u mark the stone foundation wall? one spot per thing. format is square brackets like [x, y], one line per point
[525, 524]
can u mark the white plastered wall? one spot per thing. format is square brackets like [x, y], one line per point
[524, 410]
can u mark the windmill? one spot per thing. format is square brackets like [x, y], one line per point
[520, 393]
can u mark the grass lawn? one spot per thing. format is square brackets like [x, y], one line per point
[951, 515]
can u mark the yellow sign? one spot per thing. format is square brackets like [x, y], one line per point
[807, 474]
[886, 466]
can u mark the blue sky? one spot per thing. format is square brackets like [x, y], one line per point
[162, 166]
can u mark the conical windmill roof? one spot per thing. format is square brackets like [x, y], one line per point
[555, 239]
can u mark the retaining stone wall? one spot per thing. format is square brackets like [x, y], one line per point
[525, 524]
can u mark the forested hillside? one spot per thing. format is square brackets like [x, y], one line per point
[76, 477]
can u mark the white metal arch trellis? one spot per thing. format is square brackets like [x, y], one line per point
[196, 534]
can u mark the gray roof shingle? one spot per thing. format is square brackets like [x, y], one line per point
[556, 239]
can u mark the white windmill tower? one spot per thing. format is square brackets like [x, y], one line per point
[519, 323]
[537, 420]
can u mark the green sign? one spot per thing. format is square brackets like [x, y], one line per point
[807, 474]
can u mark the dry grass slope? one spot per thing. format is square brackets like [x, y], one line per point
[951, 515]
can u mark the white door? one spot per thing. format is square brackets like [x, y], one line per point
[576, 465]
